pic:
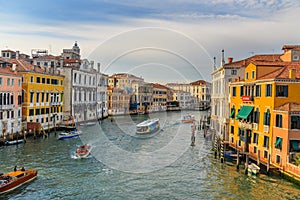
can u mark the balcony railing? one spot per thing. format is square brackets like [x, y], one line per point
[7, 107]
[266, 129]
[55, 103]
[255, 126]
[245, 125]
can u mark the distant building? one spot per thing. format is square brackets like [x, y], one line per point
[118, 101]
[202, 90]
[160, 97]
[10, 99]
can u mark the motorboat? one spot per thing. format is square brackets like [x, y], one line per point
[71, 134]
[253, 169]
[83, 151]
[188, 118]
[148, 126]
[15, 179]
[12, 142]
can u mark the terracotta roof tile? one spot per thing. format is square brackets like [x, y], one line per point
[199, 82]
[290, 106]
[284, 72]
[262, 57]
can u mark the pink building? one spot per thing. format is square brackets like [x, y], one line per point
[10, 100]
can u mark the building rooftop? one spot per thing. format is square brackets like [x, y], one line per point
[290, 107]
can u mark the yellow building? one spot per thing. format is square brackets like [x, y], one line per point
[267, 85]
[42, 95]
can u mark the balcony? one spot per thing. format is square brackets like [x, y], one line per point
[245, 125]
[266, 129]
[7, 107]
[55, 103]
[255, 126]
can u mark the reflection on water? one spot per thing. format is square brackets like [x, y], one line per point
[195, 174]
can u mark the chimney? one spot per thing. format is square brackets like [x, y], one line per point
[292, 73]
[17, 55]
[14, 66]
[230, 59]
[61, 62]
[92, 64]
[215, 63]
[98, 64]
[222, 58]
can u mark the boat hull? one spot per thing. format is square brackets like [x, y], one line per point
[31, 174]
[14, 142]
[148, 127]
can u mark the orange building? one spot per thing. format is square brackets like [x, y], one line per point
[264, 120]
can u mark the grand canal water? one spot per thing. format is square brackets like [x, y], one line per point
[126, 166]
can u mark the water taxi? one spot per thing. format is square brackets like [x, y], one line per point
[83, 151]
[188, 118]
[148, 126]
[71, 134]
[15, 179]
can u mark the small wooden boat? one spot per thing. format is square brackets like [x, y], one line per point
[148, 126]
[253, 169]
[15, 179]
[188, 118]
[12, 142]
[71, 134]
[83, 151]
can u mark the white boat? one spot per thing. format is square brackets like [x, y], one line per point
[83, 151]
[71, 134]
[253, 169]
[188, 118]
[13, 142]
[88, 124]
[148, 126]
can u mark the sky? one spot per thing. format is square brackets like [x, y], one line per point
[159, 40]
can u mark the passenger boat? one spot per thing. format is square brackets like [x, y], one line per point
[14, 142]
[83, 151]
[188, 118]
[148, 126]
[71, 134]
[15, 179]
[253, 169]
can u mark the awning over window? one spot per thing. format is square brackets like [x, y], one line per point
[278, 141]
[232, 113]
[244, 112]
[295, 145]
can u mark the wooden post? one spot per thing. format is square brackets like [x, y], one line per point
[34, 133]
[24, 134]
[238, 160]
[258, 157]
[268, 165]
[247, 163]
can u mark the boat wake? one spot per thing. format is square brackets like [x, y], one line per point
[75, 157]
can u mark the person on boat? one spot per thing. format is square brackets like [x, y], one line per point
[16, 168]
[23, 169]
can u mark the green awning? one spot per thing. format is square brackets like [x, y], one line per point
[295, 144]
[244, 112]
[278, 141]
[232, 113]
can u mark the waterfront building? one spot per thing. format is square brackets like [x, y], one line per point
[84, 90]
[43, 94]
[184, 99]
[160, 97]
[101, 95]
[10, 100]
[221, 78]
[179, 86]
[201, 89]
[264, 112]
[118, 101]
